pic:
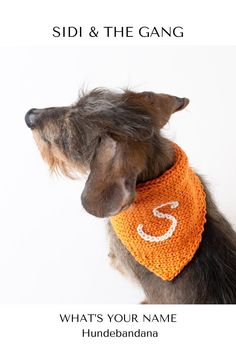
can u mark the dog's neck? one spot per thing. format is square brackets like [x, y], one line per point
[161, 158]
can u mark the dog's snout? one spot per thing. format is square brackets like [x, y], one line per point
[31, 117]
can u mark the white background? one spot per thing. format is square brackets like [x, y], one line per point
[51, 250]
[38, 329]
[31, 21]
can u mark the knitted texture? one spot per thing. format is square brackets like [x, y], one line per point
[163, 228]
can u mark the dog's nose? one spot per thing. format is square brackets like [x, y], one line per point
[31, 117]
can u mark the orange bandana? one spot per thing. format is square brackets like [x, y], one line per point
[163, 228]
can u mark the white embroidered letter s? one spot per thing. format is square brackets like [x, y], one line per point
[157, 213]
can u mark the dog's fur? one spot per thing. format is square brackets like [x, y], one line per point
[115, 138]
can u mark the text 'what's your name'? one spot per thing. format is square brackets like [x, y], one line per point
[118, 318]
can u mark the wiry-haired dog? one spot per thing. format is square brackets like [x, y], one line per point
[116, 138]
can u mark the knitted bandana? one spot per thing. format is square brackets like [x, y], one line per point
[163, 228]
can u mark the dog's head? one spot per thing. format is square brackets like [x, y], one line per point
[110, 136]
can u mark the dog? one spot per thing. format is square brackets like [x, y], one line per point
[115, 139]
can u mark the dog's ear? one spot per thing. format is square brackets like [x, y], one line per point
[162, 105]
[109, 188]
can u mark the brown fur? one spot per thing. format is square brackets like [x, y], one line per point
[116, 139]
